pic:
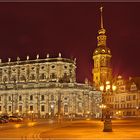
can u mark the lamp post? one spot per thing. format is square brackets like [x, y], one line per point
[137, 111]
[107, 87]
[103, 107]
[59, 109]
[52, 110]
[16, 95]
[12, 101]
[31, 114]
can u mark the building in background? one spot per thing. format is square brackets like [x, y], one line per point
[45, 88]
[121, 96]
[125, 101]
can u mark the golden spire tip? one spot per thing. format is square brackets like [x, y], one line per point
[101, 9]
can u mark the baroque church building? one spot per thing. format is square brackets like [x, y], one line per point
[45, 88]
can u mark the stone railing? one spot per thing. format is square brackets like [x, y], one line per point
[44, 85]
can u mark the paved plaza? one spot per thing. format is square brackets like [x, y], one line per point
[80, 129]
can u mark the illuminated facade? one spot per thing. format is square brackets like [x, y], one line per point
[102, 70]
[125, 101]
[45, 87]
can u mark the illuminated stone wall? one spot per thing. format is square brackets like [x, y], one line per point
[49, 69]
[46, 87]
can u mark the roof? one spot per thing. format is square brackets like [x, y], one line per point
[21, 62]
[136, 80]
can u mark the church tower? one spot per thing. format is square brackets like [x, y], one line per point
[102, 70]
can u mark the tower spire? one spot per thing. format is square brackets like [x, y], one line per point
[101, 37]
[101, 30]
[102, 70]
[101, 10]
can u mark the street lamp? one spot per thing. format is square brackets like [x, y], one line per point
[103, 107]
[87, 115]
[107, 87]
[31, 114]
[52, 109]
[59, 109]
[137, 108]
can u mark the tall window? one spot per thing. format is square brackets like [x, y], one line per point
[42, 98]
[66, 108]
[10, 108]
[20, 108]
[31, 97]
[42, 108]
[79, 107]
[20, 98]
[9, 98]
[31, 107]
[0, 108]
